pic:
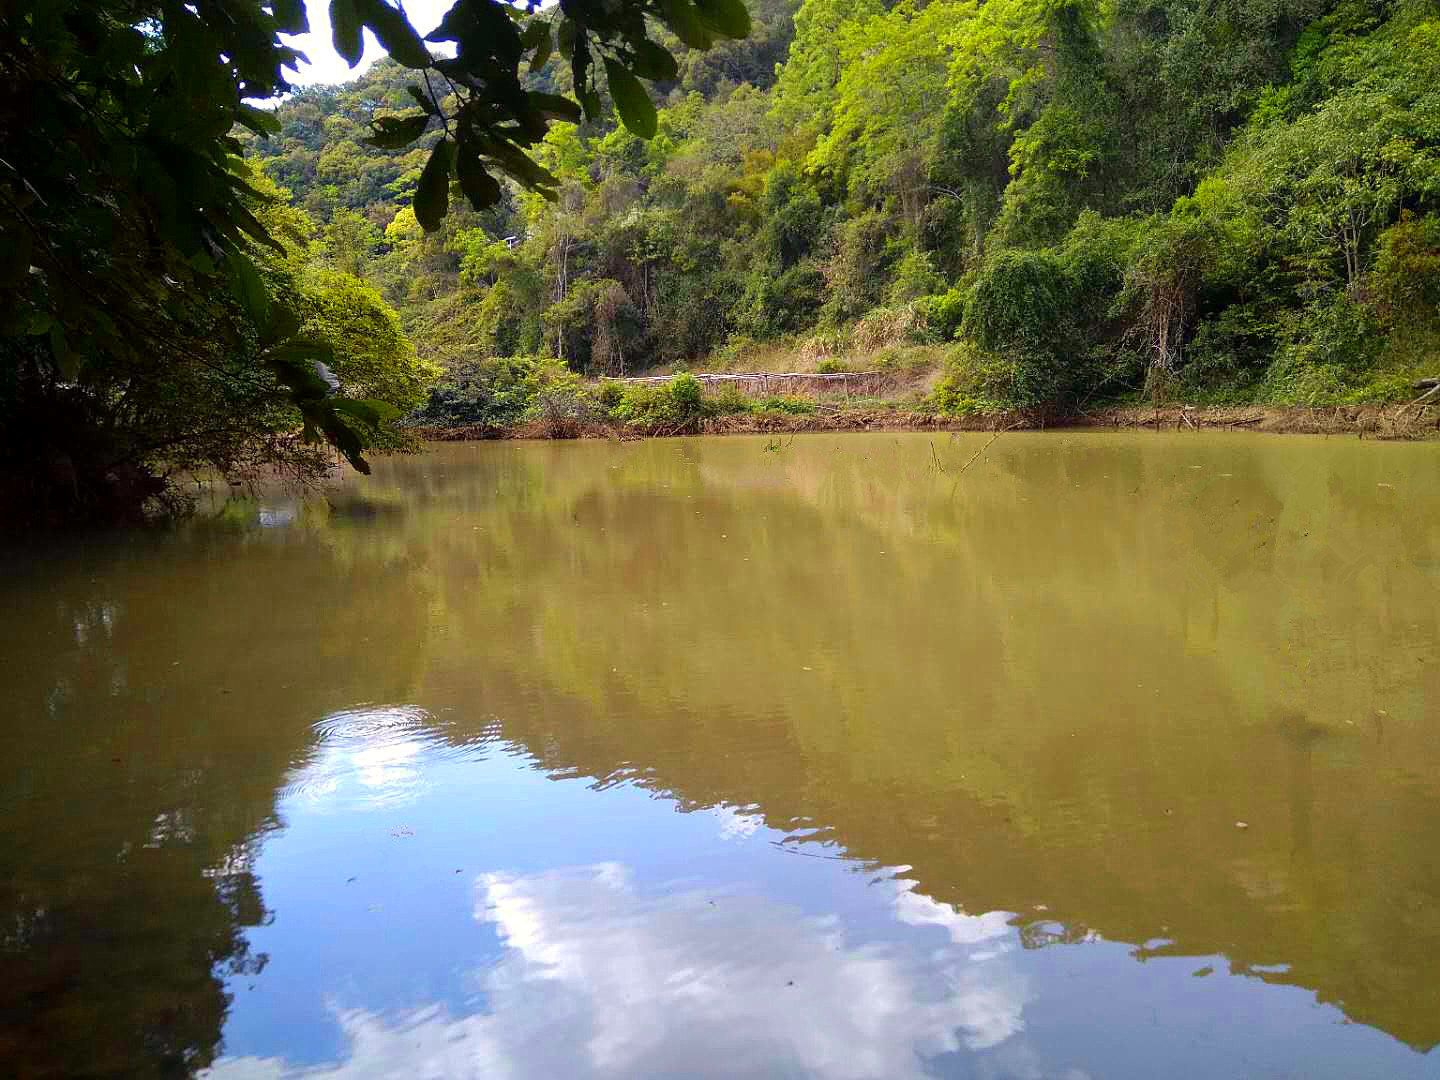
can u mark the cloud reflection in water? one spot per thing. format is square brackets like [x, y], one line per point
[599, 979]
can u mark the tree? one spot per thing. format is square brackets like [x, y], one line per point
[125, 207]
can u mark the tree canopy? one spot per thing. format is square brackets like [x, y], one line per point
[138, 274]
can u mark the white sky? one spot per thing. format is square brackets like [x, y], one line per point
[326, 66]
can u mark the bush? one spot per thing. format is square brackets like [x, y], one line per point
[1405, 281]
[974, 381]
[493, 392]
[678, 405]
[1019, 313]
[1331, 348]
[558, 400]
[944, 313]
[791, 406]
[687, 392]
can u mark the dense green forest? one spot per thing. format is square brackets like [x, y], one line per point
[1022, 203]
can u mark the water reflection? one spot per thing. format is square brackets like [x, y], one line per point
[601, 978]
[1051, 693]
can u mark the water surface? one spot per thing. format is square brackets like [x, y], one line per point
[1110, 755]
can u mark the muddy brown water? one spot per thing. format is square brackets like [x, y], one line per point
[1108, 756]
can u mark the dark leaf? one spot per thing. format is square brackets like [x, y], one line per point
[345, 30]
[245, 283]
[684, 20]
[556, 107]
[590, 101]
[543, 50]
[479, 186]
[15, 247]
[631, 100]
[260, 121]
[290, 16]
[432, 196]
[398, 132]
[369, 411]
[654, 62]
[395, 33]
[422, 99]
[726, 17]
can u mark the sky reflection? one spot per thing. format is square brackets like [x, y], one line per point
[601, 977]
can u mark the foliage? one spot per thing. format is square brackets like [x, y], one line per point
[1090, 200]
[149, 318]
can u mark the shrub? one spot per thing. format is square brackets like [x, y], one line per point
[791, 406]
[974, 380]
[558, 400]
[1019, 312]
[678, 405]
[493, 392]
[1406, 278]
[944, 313]
[1331, 346]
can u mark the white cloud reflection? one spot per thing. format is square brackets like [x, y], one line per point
[599, 979]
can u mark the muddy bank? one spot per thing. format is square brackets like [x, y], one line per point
[1365, 421]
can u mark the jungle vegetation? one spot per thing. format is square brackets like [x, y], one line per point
[1043, 204]
[1027, 204]
[160, 309]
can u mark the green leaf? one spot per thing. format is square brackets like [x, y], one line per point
[260, 121]
[345, 27]
[631, 101]
[684, 21]
[654, 62]
[422, 99]
[479, 186]
[248, 288]
[543, 50]
[726, 17]
[432, 196]
[555, 107]
[397, 132]
[370, 411]
[395, 33]
[290, 16]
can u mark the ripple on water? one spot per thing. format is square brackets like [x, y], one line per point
[378, 756]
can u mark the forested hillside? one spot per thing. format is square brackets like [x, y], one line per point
[1051, 204]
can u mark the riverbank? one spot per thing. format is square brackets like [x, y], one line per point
[1363, 421]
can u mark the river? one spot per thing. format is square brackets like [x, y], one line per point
[1062, 755]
